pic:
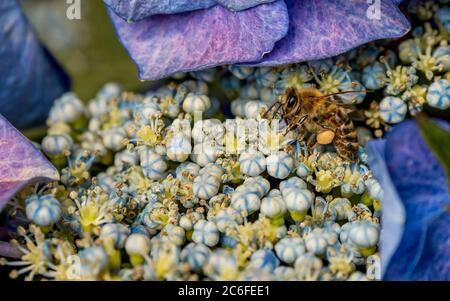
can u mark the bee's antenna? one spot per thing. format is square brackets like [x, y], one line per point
[339, 93]
[271, 107]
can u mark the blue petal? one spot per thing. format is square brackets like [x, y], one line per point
[21, 163]
[434, 263]
[421, 184]
[321, 29]
[30, 78]
[393, 211]
[237, 5]
[162, 45]
[140, 9]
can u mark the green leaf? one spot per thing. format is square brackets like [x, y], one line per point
[438, 139]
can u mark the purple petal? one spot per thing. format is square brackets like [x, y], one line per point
[140, 9]
[162, 45]
[20, 163]
[434, 263]
[237, 5]
[8, 250]
[3, 233]
[393, 220]
[30, 79]
[421, 184]
[320, 29]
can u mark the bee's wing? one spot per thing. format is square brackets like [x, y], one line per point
[329, 99]
[350, 109]
[356, 115]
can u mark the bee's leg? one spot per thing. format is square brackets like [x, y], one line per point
[265, 115]
[289, 128]
[297, 122]
[302, 130]
[311, 143]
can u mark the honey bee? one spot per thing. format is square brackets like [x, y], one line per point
[310, 111]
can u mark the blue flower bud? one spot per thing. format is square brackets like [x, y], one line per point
[206, 186]
[261, 183]
[43, 210]
[303, 171]
[196, 87]
[117, 232]
[273, 206]
[250, 91]
[238, 107]
[196, 103]
[252, 163]
[374, 76]
[308, 267]
[374, 188]
[205, 232]
[67, 108]
[266, 77]
[293, 182]
[153, 165]
[442, 55]
[289, 249]
[212, 169]
[392, 109]
[93, 261]
[228, 241]
[253, 108]
[439, 94]
[56, 145]
[321, 66]
[245, 202]
[357, 96]
[187, 168]
[279, 165]
[179, 148]
[174, 234]
[113, 137]
[126, 157]
[409, 51]
[340, 209]
[196, 255]
[264, 259]
[137, 244]
[206, 75]
[99, 107]
[285, 273]
[298, 200]
[241, 72]
[364, 234]
[222, 265]
[228, 218]
[204, 153]
[368, 55]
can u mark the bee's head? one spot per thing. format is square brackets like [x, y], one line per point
[289, 98]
